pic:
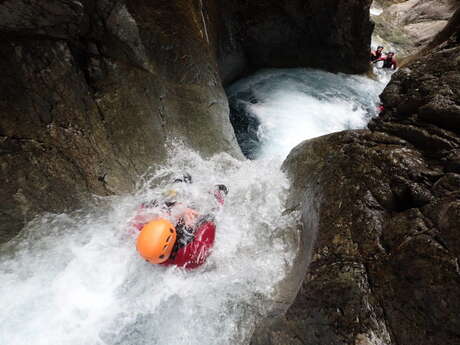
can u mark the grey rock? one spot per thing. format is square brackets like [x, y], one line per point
[384, 268]
[55, 18]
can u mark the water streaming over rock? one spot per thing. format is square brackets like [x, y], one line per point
[76, 278]
[287, 106]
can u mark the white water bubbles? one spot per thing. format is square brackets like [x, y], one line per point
[297, 104]
[376, 9]
[77, 279]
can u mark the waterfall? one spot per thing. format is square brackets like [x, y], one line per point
[287, 106]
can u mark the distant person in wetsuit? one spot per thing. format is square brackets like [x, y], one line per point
[389, 61]
[376, 54]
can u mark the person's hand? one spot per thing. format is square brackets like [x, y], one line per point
[190, 216]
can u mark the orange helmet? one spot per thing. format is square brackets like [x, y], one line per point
[156, 240]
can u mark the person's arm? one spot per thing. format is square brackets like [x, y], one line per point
[395, 64]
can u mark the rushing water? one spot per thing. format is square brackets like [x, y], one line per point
[76, 279]
[289, 106]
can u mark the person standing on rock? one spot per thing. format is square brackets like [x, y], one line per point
[376, 54]
[389, 61]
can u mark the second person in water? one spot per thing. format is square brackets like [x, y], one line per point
[389, 61]
[376, 54]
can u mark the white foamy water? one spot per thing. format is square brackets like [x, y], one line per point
[297, 104]
[76, 279]
[376, 9]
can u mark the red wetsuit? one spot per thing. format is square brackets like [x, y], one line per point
[195, 253]
[193, 245]
[375, 55]
[389, 62]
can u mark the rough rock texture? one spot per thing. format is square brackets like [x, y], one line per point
[90, 92]
[386, 3]
[421, 19]
[450, 29]
[245, 124]
[384, 206]
[93, 91]
[332, 35]
[409, 25]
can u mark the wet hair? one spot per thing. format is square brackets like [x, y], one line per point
[222, 188]
[379, 47]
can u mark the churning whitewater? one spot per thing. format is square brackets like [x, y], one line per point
[287, 106]
[77, 279]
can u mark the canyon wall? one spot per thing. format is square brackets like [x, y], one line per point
[407, 26]
[94, 92]
[385, 263]
[333, 35]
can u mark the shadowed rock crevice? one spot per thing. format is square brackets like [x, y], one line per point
[332, 35]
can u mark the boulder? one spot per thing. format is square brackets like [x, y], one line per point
[410, 25]
[382, 207]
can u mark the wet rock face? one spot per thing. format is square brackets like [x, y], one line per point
[333, 35]
[411, 24]
[90, 92]
[422, 103]
[382, 267]
[53, 18]
[245, 124]
[383, 205]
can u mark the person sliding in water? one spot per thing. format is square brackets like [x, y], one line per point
[185, 243]
[389, 61]
[376, 54]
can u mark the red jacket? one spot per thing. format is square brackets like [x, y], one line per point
[389, 63]
[196, 252]
[375, 55]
